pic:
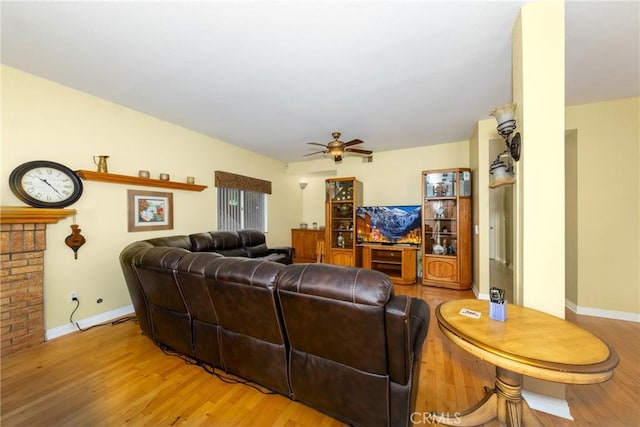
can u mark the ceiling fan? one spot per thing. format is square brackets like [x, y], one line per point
[336, 147]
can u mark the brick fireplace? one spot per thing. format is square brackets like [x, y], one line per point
[22, 246]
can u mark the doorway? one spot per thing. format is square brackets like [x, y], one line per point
[501, 233]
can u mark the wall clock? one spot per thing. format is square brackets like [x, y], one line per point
[45, 184]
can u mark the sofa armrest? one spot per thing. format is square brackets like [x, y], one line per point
[407, 322]
[285, 250]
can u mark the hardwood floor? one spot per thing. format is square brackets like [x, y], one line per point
[112, 375]
[501, 276]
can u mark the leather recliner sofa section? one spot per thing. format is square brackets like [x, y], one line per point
[241, 243]
[335, 338]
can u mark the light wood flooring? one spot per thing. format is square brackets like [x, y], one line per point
[112, 376]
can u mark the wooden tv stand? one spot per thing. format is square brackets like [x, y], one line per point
[396, 261]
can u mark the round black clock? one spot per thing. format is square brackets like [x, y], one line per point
[45, 184]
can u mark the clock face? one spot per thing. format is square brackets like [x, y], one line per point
[45, 184]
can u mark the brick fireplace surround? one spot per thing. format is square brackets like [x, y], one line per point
[22, 246]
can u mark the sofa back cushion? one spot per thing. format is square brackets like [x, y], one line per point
[335, 321]
[254, 242]
[336, 312]
[228, 243]
[193, 284]
[172, 241]
[133, 284]
[168, 314]
[202, 242]
[252, 338]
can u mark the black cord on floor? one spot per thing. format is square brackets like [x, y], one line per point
[113, 323]
[211, 369]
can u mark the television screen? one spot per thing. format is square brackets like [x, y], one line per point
[388, 224]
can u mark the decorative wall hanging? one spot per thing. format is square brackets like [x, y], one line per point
[75, 240]
[149, 210]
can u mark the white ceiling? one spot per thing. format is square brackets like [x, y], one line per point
[272, 75]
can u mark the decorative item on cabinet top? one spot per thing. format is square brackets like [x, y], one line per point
[134, 180]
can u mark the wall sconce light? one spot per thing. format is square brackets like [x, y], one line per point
[502, 172]
[302, 185]
[504, 115]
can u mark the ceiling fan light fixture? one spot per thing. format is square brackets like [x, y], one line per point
[337, 148]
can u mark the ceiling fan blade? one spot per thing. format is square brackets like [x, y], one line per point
[316, 152]
[317, 143]
[356, 150]
[353, 142]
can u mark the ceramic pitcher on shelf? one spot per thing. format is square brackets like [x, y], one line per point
[101, 162]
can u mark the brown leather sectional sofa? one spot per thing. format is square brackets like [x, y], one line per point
[242, 243]
[336, 338]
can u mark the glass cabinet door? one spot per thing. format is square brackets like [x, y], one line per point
[446, 228]
[339, 191]
[342, 225]
[341, 200]
[440, 222]
[442, 184]
[465, 183]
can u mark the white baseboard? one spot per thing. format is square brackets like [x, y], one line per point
[548, 404]
[599, 312]
[474, 289]
[89, 321]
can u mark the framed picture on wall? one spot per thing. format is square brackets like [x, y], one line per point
[149, 210]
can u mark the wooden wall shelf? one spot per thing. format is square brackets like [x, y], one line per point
[134, 180]
[26, 215]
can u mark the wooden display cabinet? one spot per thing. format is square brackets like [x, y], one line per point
[305, 242]
[343, 196]
[446, 228]
[397, 262]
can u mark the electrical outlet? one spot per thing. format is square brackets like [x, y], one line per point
[72, 295]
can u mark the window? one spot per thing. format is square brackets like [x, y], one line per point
[242, 201]
[240, 209]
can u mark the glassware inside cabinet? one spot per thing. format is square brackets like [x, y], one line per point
[440, 217]
[341, 190]
[440, 184]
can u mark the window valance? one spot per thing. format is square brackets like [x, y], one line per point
[241, 182]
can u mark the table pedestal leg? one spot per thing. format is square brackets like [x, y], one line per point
[505, 403]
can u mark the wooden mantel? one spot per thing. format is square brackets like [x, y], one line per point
[27, 215]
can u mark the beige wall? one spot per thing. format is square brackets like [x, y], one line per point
[571, 248]
[538, 89]
[42, 120]
[393, 178]
[608, 204]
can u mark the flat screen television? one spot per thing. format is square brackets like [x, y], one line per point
[389, 224]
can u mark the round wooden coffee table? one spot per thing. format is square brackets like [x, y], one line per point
[529, 343]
